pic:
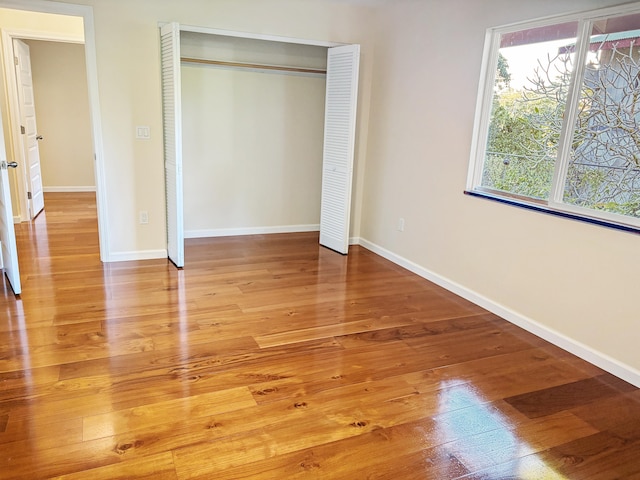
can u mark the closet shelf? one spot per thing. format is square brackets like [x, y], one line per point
[253, 65]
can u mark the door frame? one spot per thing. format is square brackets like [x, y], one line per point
[86, 13]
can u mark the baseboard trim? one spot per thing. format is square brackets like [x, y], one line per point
[607, 363]
[17, 219]
[137, 255]
[231, 232]
[68, 189]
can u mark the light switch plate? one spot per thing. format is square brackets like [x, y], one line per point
[143, 132]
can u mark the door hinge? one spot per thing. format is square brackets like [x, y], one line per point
[15, 60]
[29, 195]
[22, 130]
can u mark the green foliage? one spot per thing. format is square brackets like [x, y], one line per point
[525, 127]
[598, 189]
[522, 145]
[503, 77]
[519, 177]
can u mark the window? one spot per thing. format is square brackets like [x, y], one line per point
[559, 121]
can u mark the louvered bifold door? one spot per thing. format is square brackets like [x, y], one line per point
[172, 123]
[339, 144]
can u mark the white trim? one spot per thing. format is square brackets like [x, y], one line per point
[96, 124]
[86, 12]
[232, 232]
[44, 35]
[572, 103]
[46, 7]
[138, 255]
[589, 354]
[17, 219]
[256, 36]
[68, 189]
[483, 111]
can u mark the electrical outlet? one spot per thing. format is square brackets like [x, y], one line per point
[401, 224]
[144, 217]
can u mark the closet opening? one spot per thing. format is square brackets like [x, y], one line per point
[259, 135]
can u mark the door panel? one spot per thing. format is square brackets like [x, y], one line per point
[172, 119]
[339, 146]
[28, 120]
[7, 231]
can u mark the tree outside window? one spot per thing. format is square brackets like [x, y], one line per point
[563, 126]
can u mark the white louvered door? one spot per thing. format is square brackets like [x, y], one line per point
[172, 119]
[339, 144]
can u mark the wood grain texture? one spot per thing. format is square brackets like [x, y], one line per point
[268, 357]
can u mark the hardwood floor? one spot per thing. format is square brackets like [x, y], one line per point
[270, 357]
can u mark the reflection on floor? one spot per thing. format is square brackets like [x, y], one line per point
[271, 357]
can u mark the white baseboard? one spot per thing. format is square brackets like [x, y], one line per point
[17, 219]
[610, 364]
[68, 189]
[230, 232]
[137, 255]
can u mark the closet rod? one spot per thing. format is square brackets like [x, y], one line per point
[253, 65]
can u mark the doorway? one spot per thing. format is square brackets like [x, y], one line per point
[63, 119]
[37, 87]
[54, 14]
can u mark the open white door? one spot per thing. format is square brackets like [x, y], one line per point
[339, 144]
[172, 119]
[9, 250]
[29, 127]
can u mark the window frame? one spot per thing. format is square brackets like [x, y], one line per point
[554, 204]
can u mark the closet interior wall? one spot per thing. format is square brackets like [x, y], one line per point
[252, 138]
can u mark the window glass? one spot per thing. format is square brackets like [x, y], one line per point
[604, 165]
[532, 78]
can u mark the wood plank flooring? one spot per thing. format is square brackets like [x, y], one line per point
[270, 357]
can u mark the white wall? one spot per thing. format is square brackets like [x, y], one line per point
[252, 140]
[251, 50]
[62, 111]
[573, 281]
[252, 150]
